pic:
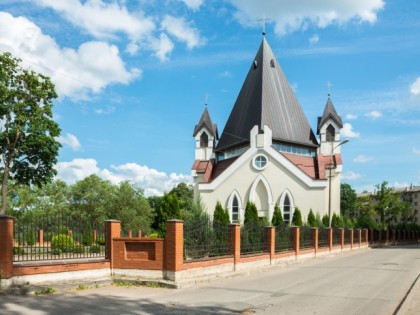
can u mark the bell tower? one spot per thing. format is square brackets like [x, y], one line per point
[329, 126]
[206, 135]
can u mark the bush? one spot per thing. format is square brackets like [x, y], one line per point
[95, 249]
[100, 240]
[153, 235]
[297, 217]
[63, 243]
[78, 249]
[18, 251]
[220, 215]
[251, 213]
[277, 217]
[87, 237]
[31, 238]
[311, 219]
[326, 220]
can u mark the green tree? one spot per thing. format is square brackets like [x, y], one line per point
[277, 219]
[129, 205]
[169, 209]
[251, 213]
[348, 200]
[325, 220]
[220, 215]
[28, 133]
[297, 217]
[185, 195]
[311, 219]
[90, 199]
[384, 200]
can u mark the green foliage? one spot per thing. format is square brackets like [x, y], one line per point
[220, 215]
[185, 195]
[348, 198]
[312, 222]
[318, 220]
[31, 238]
[18, 250]
[169, 209]
[251, 213]
[62, 243]
[78, 249]
[277, 219]
[325, 220]
[95, 249]
[297, 217]
[335, 221]
[87, 237]
[100, 240]
[28, 134]
[153, 235]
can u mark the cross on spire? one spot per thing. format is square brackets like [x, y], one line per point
[263, 20]
[206, 98]
[329, 85]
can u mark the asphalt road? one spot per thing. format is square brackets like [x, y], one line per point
[372, 281]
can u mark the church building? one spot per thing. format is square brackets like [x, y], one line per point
[267, 153]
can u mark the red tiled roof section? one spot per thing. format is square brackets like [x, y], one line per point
[204, 167]
[221, 166]
[306, 163]
[325, 161]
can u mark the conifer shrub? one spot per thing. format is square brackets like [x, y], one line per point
[297, 217]
[62, 243]
[311, 219]
[251, 213]
[325, 220]
[220, 215]
[277, 219]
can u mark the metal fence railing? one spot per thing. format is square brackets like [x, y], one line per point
[204, 239]
[253, 239]
[306, 239]
[323, 240]
[56, 237]
[284, 238]
[336, 236]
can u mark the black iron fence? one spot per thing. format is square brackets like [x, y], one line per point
[306, 239]
[253, 239]
[323, 240]
[56, 237]
[204, 238]
[347, 236]
[284, 238]
[336, 236]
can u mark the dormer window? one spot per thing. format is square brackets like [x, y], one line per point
[204, 140]
[330, 136]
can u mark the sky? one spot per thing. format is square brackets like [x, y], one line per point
[132, 76]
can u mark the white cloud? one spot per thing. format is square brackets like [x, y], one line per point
[76, 73]
[290, 16]
[103, 19]
[374, 114]
[416, 151]
[163, 47]
[151, 180]
[362, 159]
[351, 117]
[348, 132]
[351, 175]
[71, 141]
[182, 31]
[415, 87]
[314, 39]
[225, 74]
[193, 4]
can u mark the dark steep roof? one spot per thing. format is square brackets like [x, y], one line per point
[266, 98]
[329, 113]
[205, 121]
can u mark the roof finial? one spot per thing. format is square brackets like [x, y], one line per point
[206, 98]
[329, 85]
[263, 20]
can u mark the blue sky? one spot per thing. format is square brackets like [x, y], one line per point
[132, 76]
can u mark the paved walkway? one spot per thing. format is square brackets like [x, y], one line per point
[373, 281]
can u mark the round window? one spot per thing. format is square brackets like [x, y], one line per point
[260, 162]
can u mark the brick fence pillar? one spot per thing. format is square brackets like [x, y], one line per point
[139, 234]
[41, 237]
[330, 237]
[174, 245]
[112, 230]
[6, 246]
[351, 238]
[315, 239]
[130, 234]
[235, 242]
[296, 240]
[366, 236]
[271, 239]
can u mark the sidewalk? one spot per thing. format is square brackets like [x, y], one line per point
[411, 305]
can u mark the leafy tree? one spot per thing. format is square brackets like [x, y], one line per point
[384, 200]
[297, 217]
[169, 209]
[277, 219]
[220, 215]
[348, 200]
[311, 219]
[185, 195]
[28, 134]
[251, 213]
[129, 205]
[90, 199]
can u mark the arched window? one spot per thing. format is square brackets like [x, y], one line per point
[330, 133]
[286, 209]
[235, 210]
[204, 140]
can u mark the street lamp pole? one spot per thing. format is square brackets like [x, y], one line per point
[329, 180]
